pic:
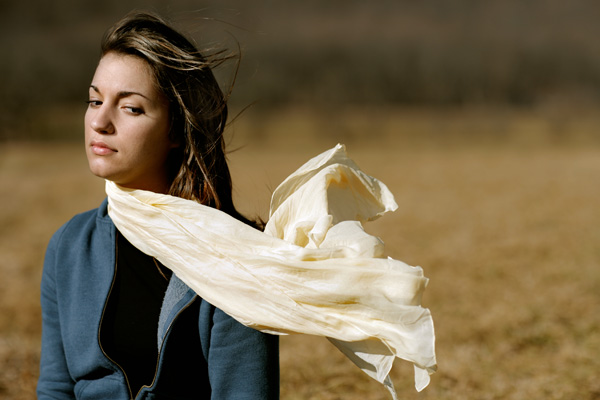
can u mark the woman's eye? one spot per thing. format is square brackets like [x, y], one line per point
[94, 103]
[134, 110]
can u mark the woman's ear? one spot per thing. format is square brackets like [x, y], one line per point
[175, 132]
[175, 143]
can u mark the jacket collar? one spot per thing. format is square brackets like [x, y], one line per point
[102, 213]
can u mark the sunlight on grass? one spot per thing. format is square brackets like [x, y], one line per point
[505, 224]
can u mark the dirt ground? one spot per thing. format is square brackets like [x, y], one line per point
[507, 230]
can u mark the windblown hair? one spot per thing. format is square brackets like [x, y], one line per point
[198, 108]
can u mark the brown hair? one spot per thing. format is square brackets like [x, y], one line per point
[198, 107]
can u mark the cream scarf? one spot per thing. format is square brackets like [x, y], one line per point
[314, 270]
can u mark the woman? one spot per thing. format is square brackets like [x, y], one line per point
[116, 323]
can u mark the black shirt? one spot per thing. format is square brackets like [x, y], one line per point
[130, 323]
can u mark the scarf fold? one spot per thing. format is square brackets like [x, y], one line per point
[314, 270]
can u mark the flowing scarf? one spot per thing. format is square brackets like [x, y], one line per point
[314, 270]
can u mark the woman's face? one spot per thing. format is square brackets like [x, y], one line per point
[127, 125]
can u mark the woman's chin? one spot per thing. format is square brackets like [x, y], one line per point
[101, 171]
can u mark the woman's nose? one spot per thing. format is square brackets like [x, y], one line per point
[102, 120]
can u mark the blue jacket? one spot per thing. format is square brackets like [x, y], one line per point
[204, 353]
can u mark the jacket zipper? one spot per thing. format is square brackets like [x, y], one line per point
[102, 317]
[164, 339]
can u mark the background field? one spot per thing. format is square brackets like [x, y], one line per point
[481, 116]
[507, 229]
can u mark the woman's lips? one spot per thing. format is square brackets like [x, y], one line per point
[101, 148]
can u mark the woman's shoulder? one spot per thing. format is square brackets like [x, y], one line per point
[83, 224]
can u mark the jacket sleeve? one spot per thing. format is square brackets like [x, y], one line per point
[54, 381]
[243, 363]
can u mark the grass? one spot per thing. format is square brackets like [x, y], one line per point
[505, 224]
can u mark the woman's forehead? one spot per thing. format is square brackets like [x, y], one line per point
[124, 73]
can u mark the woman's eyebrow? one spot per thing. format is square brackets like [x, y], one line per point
[121, 94]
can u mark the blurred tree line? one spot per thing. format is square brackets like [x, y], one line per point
[317, 53]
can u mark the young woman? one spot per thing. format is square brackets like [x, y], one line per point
[116, 323]
[119, 324]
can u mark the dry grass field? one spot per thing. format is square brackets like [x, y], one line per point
[500, 210]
